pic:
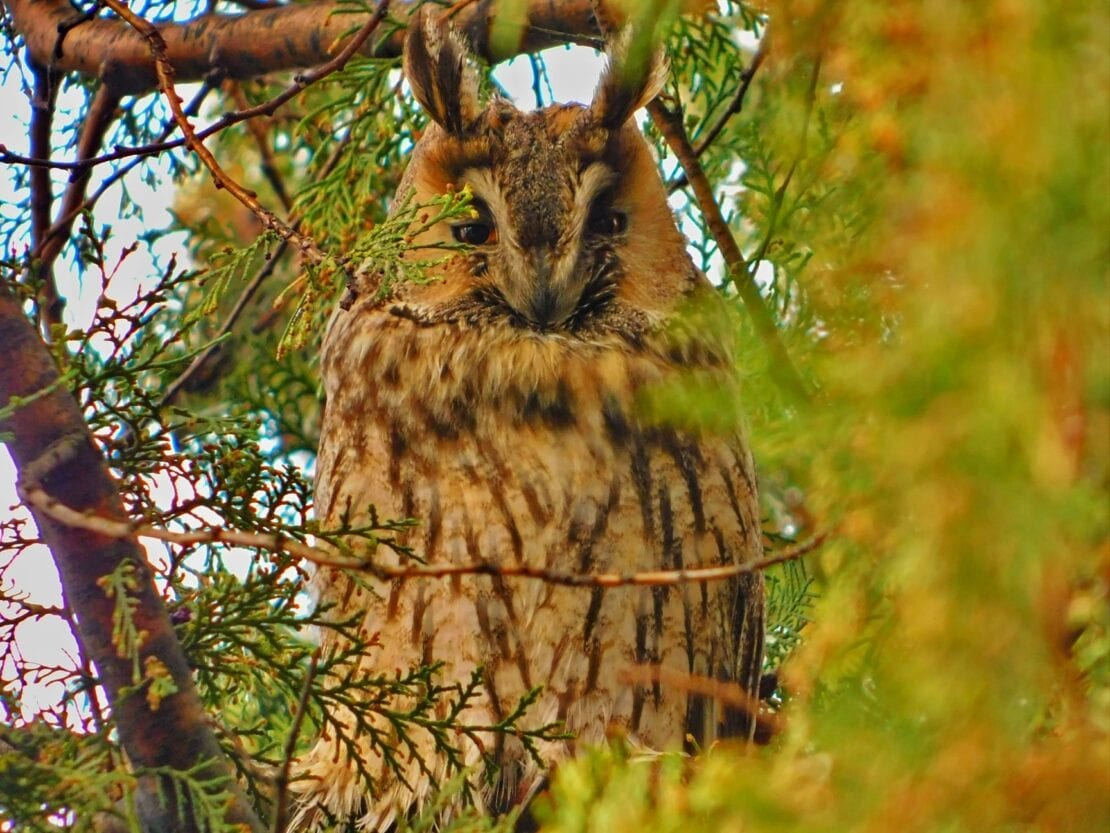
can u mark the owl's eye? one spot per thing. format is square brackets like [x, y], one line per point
[476, 233]
[607, 222]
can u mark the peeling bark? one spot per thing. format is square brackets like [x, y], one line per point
[258, 41]
[54, 450]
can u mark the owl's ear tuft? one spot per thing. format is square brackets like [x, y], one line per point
[441, 72]
[633, 76]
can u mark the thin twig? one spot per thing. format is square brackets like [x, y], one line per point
[538, 77]
[38, 498]
[727, 693]
[737, 102]
[64, 222]
[735, 105]
[177, 385]
[262, 142]
[88, 675]
[281, 782]
[28, 610]
[165, 72]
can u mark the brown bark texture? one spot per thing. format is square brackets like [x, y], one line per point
[263, 40]
[54, 450]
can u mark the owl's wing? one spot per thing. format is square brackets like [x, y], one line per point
[716, 502]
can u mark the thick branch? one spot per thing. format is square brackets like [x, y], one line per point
[258, 41]
[53, 449]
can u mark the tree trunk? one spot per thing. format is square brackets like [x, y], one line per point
[54, 451]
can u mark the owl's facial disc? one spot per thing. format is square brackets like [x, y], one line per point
[540, 231]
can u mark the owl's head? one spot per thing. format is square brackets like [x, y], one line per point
[570, 217]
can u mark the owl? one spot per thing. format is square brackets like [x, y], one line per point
[507, 405]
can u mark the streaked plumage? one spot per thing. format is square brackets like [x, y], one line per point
[503, 407]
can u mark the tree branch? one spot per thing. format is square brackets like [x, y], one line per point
[268, 162]
[101, 114]
[281, 782]
[780, 193]
[42, 193]
[669, 124]
[258, 41]
[266, 108]
[53, 449]
[73, 203]
[202, 360]
[736, 104]
[166, 77]
[92, 521]
[767, 724]
[42, 119]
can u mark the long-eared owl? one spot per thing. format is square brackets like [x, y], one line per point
[507, 406]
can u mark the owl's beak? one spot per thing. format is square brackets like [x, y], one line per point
[552, 299]
[542, 309]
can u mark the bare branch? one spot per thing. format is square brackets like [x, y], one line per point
[281, 782]
[727, 693]
[174, 388]
[73, 205]
[42, 196]
[165, 73]
[101, 114]
[48, 505]
[266, 108]
[262, 141]
[780, 192]
[735, 105]
[42, 119]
